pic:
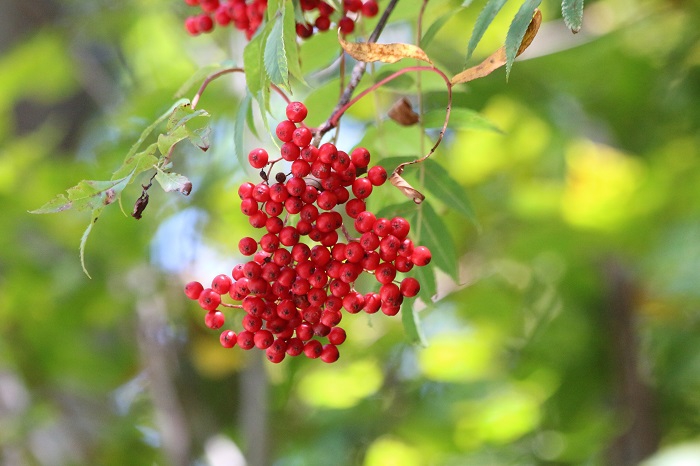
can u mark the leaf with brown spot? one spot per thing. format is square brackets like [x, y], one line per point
[386, 53]
[402, 113]
[498, 58]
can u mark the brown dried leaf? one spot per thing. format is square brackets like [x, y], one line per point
[409, 191]
[498, 58]
[402, 113]
[387, 53]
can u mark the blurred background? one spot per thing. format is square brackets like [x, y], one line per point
[571, 337]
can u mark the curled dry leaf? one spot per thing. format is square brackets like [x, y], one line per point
[409, 191]
[498, 58]
[387, 53]
[140, 205]
[402, 113]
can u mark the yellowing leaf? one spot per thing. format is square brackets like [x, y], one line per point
[498, 58]
[387, 53]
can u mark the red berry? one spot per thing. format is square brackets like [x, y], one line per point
[258, 158]
[377, 175]
[221, 284]
[228, 338]
[337, 336]
[193, 290]
[285, 130]
[347, 25]
[289, 151]
[329, 353]
[409, 287]
[263, 339]
[247, 246]
[323, 23]
[360, 157]
[362, 188]
[214, 319]
[245, 340]
[302, 136]
[209, 299]
[421, 256]
[370, 8]
[296, 112]
[352, 5]
[204, 23]
[313, 349]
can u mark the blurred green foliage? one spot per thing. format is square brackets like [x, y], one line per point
[574, 321]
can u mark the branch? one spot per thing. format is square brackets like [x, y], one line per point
[357, 72]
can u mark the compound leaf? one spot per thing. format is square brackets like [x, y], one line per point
[275, 57]
[515, 38]
[485, 18]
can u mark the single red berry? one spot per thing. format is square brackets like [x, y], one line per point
[285, 130]
[355, 207]
[385, 273]
[214, 319]
[296, 111]
[209, 299]
[274, 356]
[370, 8]
[245, 190]
[371, 261]
[245, 339]
[337, 336]
[323, 23]
[327, 153]
[192, 25]
[289, 151]
[377, 175]
[353, 302]
[372, 303]
[364, 221]
[313, 349]
[193, 290]
[352, 5]
[204, 23]
[329, 353]
[261, 192]
[263, 339]
[289, 236]
[400, 227]
[228, 338]
[390, 294]
[403, 264]
[221, 16]
[295, 346]
[362, 188]
[247, 246]
[304, 30]
[309, 154]
[409, 287]
[360, 157]
[390, 310]
[347, 25]
[249, 206]
[258, 158]
[421, 256]
[302, 136]
[221, 283]
[327, 200]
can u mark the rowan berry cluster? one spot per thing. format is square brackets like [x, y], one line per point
[248, 15]
[292, 293]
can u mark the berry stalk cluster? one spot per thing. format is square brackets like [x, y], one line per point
[247, 16]
[293, 293]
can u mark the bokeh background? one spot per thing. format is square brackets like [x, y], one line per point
[571, 337]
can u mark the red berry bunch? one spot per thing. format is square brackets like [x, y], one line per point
[293, 292]
[248, 15]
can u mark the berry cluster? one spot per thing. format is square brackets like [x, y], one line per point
[293, 293]
[248, 15]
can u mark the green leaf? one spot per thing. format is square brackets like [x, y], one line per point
[252, 62]
[428, 283]
[146, 132]
[173, 182]
[429, 35]
[138, 163]
[412, 327]
[83, 241]
[88, 194]
[445, 188]
[517, 30]
[273, 6]
[460, 118]
[275, 58]
[291, 48]
[572, 11]
[435, 235]
[407, 210]
[482, 23]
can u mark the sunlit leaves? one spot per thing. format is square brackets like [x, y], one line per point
[482, 23]
[173, 182]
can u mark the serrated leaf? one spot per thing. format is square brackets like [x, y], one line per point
[386, 53]
[434, 28]
[412, 327]
[517, 30]
[435, 235]
[173, 182]
[460, 118]
[290, 42]
[88, 194]
[138, 163]
[485, 18]
[498, 58]
[275, 58]
[57, 204]
[572, 12]
[252, 62]
[445, 188]
[182, 115]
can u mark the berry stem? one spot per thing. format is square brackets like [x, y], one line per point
[357, 73]
[218, 74]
